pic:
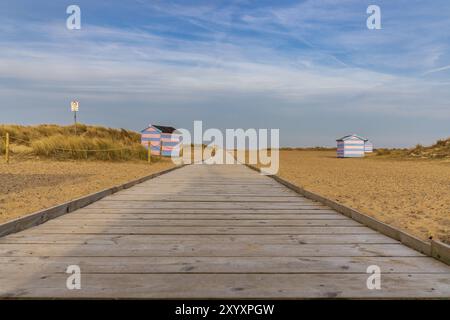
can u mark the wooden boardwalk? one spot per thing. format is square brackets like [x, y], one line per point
[220, 231]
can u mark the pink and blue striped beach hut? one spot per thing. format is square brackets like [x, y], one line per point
[161, 138]
[351, 146]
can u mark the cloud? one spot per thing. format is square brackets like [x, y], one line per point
[159, 68]
[313, 59]
[114, 61]
[437, 70]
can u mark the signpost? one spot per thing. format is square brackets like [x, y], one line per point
[74, 107]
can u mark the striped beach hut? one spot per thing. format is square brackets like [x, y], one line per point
[368, 146]
[351, 146]
[162, 138]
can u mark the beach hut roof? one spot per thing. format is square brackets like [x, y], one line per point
[163, 129]
[352, 136]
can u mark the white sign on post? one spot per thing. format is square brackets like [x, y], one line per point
[74, 106]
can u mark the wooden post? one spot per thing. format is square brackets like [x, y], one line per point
[160, 149]
[75, 121]
[7, 148]
[149, 152]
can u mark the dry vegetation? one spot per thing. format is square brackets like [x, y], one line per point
[60, 142]
[439, 150]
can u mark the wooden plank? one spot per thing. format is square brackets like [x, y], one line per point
[193, 249]
[194, 183]
[248, 265]
[232, 286]
[202, 205]
[440, 251]
[213, 191]
[200, 216]
[203, 198]
[315, 211]
[109, 239]
[202, 222]
[214, 183]
[207, 192]
[202, 230]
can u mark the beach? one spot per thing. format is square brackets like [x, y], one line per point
[413, 195]
[29, 186]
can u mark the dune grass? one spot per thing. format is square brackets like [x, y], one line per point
[61, 142]
[439, 150]
[73, 147]
[32, 133]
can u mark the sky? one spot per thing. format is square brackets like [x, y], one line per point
[310, 68]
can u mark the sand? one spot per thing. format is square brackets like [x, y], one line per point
[29, 186]
[413, 195]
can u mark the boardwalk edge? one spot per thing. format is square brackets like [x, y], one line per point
[435, 249]
[39, 217]
[440, 251]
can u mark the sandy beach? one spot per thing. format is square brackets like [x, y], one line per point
[413, 195]
[29, 186]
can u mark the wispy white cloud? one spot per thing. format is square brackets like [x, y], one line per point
[133, 63]
[285, 61]
[178, 66]
[444, 68]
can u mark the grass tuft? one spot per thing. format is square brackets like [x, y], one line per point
[60, 142]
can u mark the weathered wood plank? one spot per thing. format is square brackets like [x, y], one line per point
[200, 216]
[109, 239]
[209, 286]
[213, 191]
[202, 230]
[214, 183]
[203, 222]
[203, 198]
[250, 265]
[204, 205]
[206, 210]
[193, 249]
[208, 192]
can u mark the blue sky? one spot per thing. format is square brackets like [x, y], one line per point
[310, 68]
